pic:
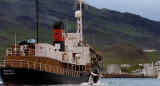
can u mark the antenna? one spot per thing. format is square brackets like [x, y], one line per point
[78, 15]
[77, 3]
[37, 19]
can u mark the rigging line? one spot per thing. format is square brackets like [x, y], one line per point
[89, 29]
[66, 25]
[69, 27]
[55, 12]
[74, 26]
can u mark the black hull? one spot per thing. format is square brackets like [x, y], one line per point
[21, 76]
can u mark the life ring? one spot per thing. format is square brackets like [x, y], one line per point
[32, 52]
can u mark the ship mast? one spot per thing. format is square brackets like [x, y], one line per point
[37, 19]
[78, 15]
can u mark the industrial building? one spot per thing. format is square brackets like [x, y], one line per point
[113, 69]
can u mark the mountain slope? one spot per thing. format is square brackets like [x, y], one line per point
[102, 26]
[124, 53]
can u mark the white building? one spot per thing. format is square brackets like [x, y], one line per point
[113, 69]
[146, 65]
[151, 71]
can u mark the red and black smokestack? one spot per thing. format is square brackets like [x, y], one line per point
[58, 35]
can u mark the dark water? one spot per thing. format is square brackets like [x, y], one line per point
[121, 82]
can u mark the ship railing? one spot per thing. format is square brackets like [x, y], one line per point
[39, 66]
[25, 52]
[20, 52]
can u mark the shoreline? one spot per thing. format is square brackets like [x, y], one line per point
[105, 75]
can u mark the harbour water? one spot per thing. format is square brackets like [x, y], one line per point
[130, 82]
[121, 82]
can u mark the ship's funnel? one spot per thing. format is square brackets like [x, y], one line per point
[58, 35]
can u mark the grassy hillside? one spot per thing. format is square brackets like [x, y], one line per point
[154, 56]
[124, 53]
[102, 27]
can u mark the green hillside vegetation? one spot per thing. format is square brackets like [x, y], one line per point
[102, 27]
[124, 53]
[154, 56]
[130, 69]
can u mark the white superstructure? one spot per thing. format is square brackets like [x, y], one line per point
[75, 52]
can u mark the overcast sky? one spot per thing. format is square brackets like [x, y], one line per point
[147, 8]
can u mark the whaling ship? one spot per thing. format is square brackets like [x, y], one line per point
[68, 61]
